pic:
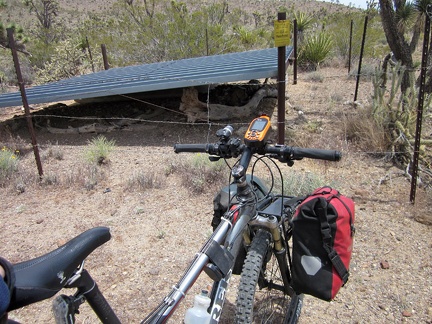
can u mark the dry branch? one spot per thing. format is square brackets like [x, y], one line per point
[91, 128]
[197, 110]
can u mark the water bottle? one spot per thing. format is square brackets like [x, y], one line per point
[198, 313]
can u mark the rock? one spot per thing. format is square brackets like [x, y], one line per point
[407, 313]
[384, 264]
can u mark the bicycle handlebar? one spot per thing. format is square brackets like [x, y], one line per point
[283, 153]
[193, 148]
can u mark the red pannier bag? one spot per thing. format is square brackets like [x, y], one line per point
[323, 231]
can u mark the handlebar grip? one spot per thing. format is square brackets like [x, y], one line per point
[286, 153]
[320, 154]
[191, 148]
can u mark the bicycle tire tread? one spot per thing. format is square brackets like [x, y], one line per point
[249, 277]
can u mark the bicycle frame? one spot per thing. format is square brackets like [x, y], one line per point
[217, 255]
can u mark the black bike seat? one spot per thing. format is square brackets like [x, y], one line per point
[43, 277]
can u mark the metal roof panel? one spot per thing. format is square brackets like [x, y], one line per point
[198, 71]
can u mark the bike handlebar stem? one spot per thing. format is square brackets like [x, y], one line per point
[233, 147]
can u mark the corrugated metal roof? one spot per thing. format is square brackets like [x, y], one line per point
[156, 76]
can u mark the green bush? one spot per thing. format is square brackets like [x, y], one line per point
[68, 60]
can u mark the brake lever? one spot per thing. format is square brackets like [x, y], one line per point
[288, 160]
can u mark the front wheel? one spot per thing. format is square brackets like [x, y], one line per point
[261, 297]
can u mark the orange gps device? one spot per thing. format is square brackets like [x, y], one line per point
[257, 131]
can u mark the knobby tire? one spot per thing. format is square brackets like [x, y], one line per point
[264, 305]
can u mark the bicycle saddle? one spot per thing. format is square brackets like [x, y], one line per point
[43, 277]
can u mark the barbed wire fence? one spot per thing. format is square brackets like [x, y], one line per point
[181, 120]
[209, 123]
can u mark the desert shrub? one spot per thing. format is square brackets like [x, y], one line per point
[396, 113]
[92, 175]
[367, 72]
[86, 176]
[362, 128]
[144, 180]
[299, 183]
[313, 127]
[8, 164]
[388, 125]
[67, 60]
[315, 76]
[52, 151]
[8, 73]
[198, 173]
[98, 150]
[174, 30]
[50, 179]
[338, 25]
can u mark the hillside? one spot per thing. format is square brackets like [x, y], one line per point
[17, 12]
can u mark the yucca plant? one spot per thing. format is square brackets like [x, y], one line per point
[406, 16]
[315, 50]
[304, 21]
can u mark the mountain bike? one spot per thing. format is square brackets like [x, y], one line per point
[251, 236]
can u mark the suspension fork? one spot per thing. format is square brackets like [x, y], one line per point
[271, 225]
[281, 257]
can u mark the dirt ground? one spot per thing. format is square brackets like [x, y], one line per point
[157, 231]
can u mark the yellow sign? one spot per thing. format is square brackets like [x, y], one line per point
[282, 32]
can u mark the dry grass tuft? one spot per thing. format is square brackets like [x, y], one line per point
[199, 174]
[362, 129]
[141, 181]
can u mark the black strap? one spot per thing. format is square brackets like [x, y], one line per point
[321, 211]
[220, 257]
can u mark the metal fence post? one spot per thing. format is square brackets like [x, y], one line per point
[24, 100]
[350, 47]
[104, 56]
[361, 57]
[281, 87]
[414, 167]
[295, 51]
